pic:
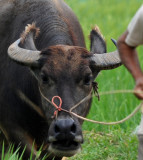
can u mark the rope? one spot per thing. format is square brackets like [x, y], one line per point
[59, 108]
[106, 123]
[31, 104]
[110, 123]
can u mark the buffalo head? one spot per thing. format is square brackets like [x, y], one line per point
[67, 72]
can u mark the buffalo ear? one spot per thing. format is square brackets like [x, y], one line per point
[28, 37]
[100, 60]
[97, 42]
[28, 43]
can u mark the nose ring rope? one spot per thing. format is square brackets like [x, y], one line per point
[103, 93]
[36, 108]
[59, 108]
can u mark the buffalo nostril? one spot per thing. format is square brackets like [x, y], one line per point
[57, 129]
[73, 128]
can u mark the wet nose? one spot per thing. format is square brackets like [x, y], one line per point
[65, 129]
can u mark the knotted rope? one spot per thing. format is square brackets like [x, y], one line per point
[58, 108]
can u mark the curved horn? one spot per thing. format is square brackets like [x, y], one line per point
[27, 57]
[106, 61]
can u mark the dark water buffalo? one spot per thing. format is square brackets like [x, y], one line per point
[51, 59]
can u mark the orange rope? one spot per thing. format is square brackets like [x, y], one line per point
[58, 108]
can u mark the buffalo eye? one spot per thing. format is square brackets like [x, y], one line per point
[87, 80]
[44, 78]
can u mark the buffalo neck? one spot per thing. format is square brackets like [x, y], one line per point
[58, 27]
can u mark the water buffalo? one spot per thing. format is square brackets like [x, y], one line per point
[48, 59]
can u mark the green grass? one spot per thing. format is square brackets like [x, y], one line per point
[116, 145]
[11, 154]
[109, 142]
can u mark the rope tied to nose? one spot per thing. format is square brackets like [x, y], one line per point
[58, 108]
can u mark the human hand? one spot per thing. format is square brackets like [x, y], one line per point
[138, 90]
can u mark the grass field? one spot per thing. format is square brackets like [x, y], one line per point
[109, 142]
